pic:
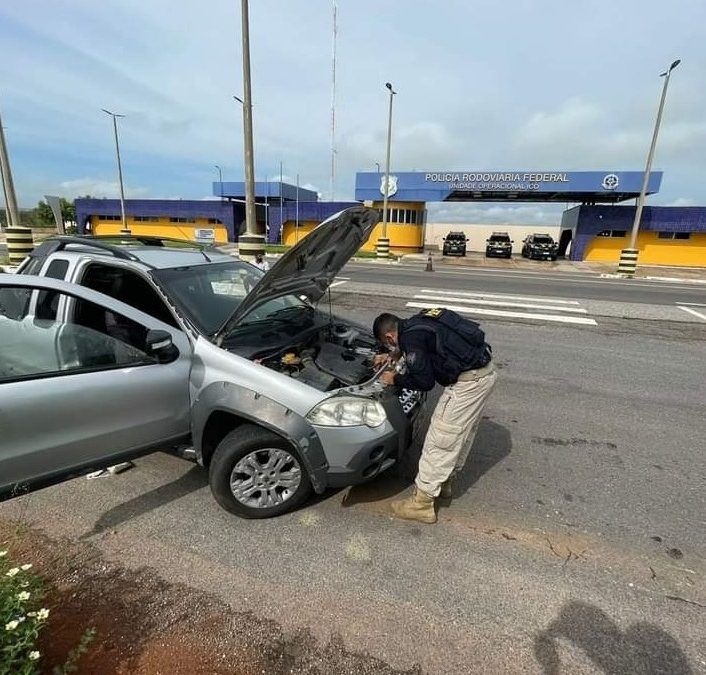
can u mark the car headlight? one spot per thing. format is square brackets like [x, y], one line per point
[347, 411]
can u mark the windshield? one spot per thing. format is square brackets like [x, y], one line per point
[455, 237]
[542, 240]
[499, 238]
[209, 294]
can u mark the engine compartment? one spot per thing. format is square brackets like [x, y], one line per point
[336, 356]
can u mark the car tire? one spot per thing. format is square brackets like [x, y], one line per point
[236, 460]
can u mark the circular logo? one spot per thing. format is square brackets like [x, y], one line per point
[610, 181]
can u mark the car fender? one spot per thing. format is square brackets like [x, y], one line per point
[253, 407]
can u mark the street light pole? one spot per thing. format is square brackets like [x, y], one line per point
[252, 242]
[124, 228]
[220, 180]
[12, 213]
[383, 243]
[628, 256]
[377, 164]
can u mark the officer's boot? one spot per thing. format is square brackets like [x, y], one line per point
[420, 506]
[447, 488]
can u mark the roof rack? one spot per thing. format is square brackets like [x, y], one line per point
[145, 240]
[62, 242]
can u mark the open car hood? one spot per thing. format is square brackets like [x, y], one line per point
[309, 267]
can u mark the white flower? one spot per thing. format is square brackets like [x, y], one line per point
[26, 567]
[33, 656]
[13, 572]
[11, 625]
[3, 554]
[43, 614]
[21, 619]
[23, 596]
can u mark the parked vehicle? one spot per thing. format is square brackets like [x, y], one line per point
[499, 245]
[111, 348]
[539, 246]
[455, 244]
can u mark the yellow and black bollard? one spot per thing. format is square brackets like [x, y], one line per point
[430, 265]
[19, 244]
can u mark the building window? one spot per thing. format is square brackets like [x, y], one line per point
[146, 219]
[612, 233]
[214, 221]
[673, 235]
[182, 220]
[108, 217]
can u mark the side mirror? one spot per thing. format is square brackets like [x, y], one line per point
[512, 241]
[159, 345]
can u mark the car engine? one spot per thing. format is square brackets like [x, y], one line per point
[336, 356]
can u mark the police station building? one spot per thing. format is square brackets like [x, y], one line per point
[595, 228]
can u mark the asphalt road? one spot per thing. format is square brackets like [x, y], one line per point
[554, 284]
[576, 543]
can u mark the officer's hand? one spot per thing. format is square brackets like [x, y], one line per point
[380, 359]
[388, 378]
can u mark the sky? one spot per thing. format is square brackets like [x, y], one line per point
[546, 85]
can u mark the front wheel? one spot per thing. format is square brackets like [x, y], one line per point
[256, 474]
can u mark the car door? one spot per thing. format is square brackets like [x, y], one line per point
[86, 387]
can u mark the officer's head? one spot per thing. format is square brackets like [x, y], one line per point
[385, 329]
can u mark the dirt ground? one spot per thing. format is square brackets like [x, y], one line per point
[145, 626]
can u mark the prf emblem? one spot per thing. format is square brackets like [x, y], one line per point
[433, 313]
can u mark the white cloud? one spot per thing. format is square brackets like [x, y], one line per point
[681, 201]
[96, 187]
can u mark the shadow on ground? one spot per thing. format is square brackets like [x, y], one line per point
[492, 444]
[193, 480]
[643, 648]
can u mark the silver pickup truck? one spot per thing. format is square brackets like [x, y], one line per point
[111, 348]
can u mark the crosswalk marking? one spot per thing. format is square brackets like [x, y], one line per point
[517, 315]
[693, 311]
[466, 294]
[501, 303]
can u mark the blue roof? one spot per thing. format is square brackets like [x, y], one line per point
[264, 190]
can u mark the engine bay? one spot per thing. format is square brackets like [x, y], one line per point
[336, 356]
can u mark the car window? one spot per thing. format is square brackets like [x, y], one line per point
[128, 287]
[499, 237]
[32, 265]
[14, 302]
[210, 294]
[542, 240]
[48, 301]
[93, 338]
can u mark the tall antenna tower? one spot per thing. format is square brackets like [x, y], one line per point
[333, 106]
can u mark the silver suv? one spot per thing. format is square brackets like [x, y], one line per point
[113, 348]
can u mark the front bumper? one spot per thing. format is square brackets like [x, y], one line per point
[541, 254]
[498, 252]
[357, 454]
[454, 251]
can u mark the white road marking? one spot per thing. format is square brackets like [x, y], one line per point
[497, 303]
[492, 296]
[338, 283]
[517, 315]
[693, 311]
[693, 304]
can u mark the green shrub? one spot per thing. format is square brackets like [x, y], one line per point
[21, 617]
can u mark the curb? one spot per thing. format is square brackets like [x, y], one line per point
[679, 280]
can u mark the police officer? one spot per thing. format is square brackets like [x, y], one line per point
[441, 346]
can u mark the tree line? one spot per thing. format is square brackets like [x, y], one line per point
[42, 215]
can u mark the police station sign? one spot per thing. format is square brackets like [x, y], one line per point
[437, 186]
[496, 180]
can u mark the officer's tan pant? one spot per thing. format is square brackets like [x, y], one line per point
[453, 427]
